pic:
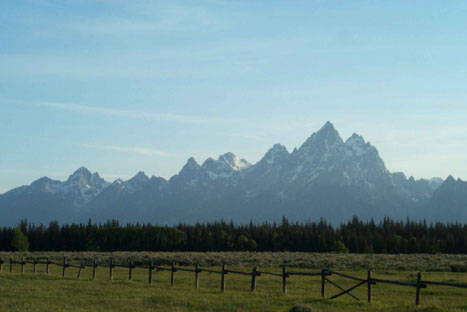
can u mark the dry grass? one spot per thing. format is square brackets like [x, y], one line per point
[411, 262]
[28, 292]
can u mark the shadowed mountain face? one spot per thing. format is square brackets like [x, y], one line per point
[326, 177]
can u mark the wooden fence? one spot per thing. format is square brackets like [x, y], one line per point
[324, 274]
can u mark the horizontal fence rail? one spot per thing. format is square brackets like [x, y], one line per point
[324, 274]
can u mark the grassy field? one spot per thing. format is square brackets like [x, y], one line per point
[40, 292]
[409, 262]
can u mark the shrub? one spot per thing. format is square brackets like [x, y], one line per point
[19, 241]
[300, 308]
[458, 268]
[339, 247]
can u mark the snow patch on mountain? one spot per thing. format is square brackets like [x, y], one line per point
[234, 162]
[224, 167]
[324, 171]
[81, 187]
[356, 146]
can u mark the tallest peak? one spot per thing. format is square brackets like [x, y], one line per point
[327, 130]
[328, 126]
[324, 139]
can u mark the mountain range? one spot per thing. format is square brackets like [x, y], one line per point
[325, 178]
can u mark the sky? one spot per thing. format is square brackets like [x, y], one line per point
[123, 86]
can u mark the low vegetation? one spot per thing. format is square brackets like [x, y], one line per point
[407, 262]
[41, 292]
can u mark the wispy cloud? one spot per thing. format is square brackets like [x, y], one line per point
[187, 119]
[130, 149]
[149, 18]
[134, 114]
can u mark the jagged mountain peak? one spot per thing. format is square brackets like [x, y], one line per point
[278, 147]
[80, 172]
[43, 180]
[327, 129]
[356, 137]
[138, 180]
[191, 164]
[277, 153]
[132, 185]
[190, 172]
[233, 161]
[118, 182]
[45, 184]
[326, 139]
[140, 176]
[450, 179]
[227, 156]
[224, 167]
[208, 161]
[452, 191]
[358, 146]
[82, 169]
[325, 177]
[399, 177]
[328, 126]
[83, 178]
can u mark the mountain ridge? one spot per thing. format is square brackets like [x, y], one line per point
[325, 177]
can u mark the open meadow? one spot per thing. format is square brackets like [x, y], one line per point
[341, 261]
[41, 292]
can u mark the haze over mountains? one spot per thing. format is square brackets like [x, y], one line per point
[325, 178]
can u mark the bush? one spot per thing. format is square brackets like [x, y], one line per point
[339, 247]
[19, 241]
[458, 268]
[300, 308]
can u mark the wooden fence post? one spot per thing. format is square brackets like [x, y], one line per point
[130, 267]
[47, 266]
[64, 266]
[196, 275]
[253, 278]
[22, 264]
[80, 267]
[323, 283]
[151, 267]
[369, 286]
[94, 266]
[419, 284]
[11, 265]
[284, 280]
[111, 268]
[223, 278]
[172, 274]
[34, 261]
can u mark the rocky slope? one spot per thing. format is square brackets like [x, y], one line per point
[326, 177]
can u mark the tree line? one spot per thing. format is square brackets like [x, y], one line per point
[355, 236]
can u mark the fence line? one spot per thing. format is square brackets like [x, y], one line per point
[325, 275]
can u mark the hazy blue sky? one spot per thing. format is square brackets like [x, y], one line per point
[123, 86]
